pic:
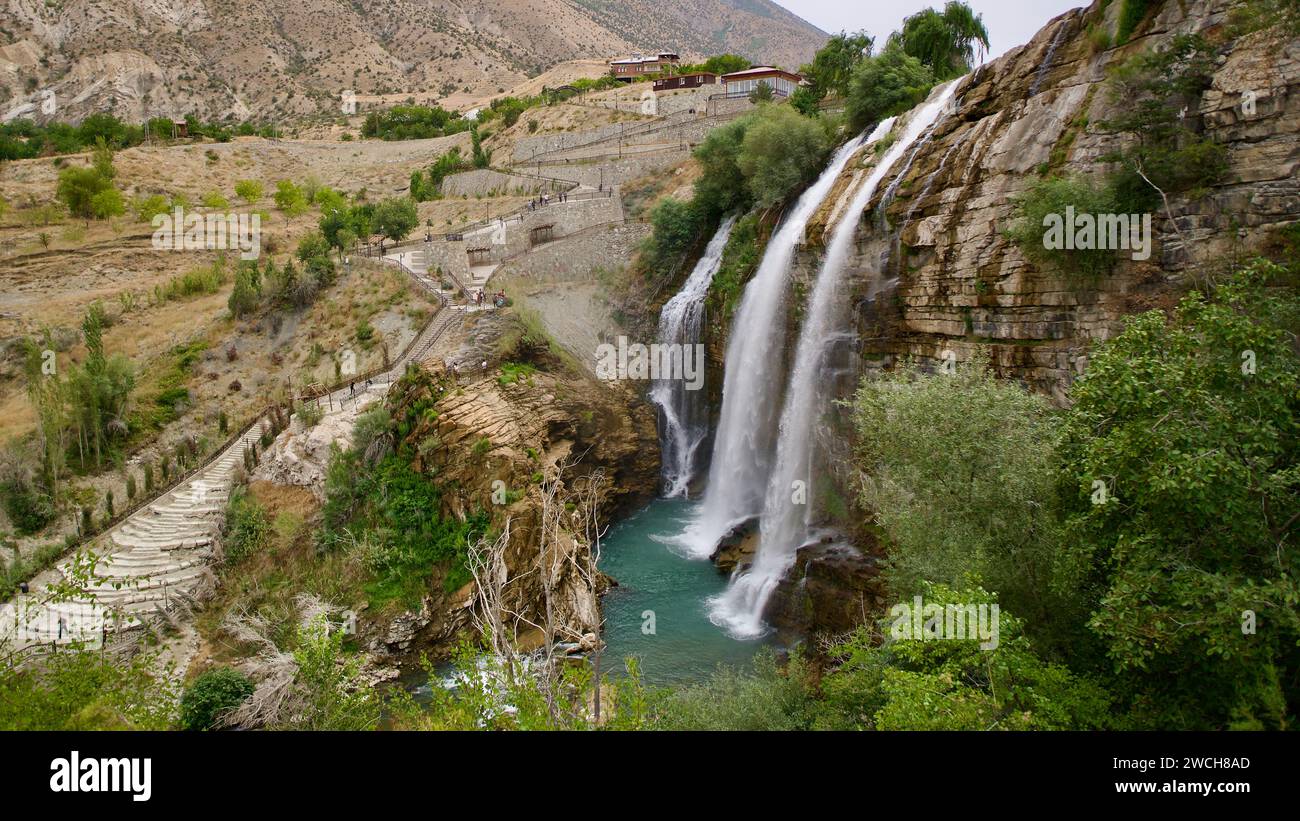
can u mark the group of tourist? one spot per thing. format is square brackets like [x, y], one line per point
[545, 199]
[498, 299]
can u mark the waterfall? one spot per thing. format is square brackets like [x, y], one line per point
[784, 525]
[743, 446]
[894, 249]
[1047, 58]
[683, 413]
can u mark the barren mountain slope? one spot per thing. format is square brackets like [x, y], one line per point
[215, 58]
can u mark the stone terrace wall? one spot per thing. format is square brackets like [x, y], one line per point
[615, 172]
[449, 257]
[487, 182]
[578, 256]
[508, 238]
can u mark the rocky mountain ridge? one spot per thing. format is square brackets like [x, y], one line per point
[280, 59]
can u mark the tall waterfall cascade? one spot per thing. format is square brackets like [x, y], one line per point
[683, 409]
[786, 508]
[744, 445]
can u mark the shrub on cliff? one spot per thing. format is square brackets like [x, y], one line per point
[1055, 197]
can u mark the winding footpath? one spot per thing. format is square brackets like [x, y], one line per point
[158, 560]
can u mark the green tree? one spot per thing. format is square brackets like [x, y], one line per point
[77, 189]
[725, 64]
[718, 189]
[97, 393]
[395, 218]
[482, 157]
[1150, 92]
[289, 198]
[762, 93]
[1181, 459]
[945, 42]
[885, 85]
[247, 291]
[832, 67]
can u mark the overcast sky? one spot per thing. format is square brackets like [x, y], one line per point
[1010, 22]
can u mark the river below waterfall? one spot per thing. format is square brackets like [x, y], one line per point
[685, 646]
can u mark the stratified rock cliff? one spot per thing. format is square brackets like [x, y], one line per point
[962, 284]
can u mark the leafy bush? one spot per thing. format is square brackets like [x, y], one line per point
[146, 208]
[329, 687]
[768, 698]
[29, 507]
[76, 689]
[677, 228]
[960, 472]
[247, 527]
[916, 684]
[1049, 198]
[1180, 463]
[782, 151]
[250, 191]
[246, 294]
[213, 694]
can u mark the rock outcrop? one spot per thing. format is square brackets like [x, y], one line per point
[489, 441]
[831, 589]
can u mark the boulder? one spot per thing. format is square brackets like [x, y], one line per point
[736, 549]
[831, 589]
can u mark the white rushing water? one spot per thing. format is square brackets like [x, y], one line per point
[784, 525]
[743, 446]
[683, 413]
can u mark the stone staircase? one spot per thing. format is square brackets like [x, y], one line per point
[157, 557]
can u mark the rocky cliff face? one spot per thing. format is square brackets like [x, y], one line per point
[954, 282]
[486, 432]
